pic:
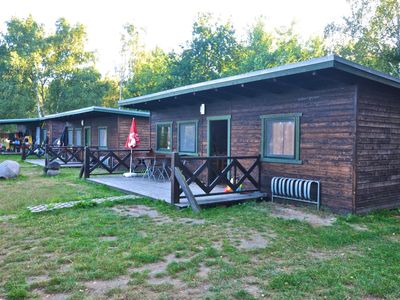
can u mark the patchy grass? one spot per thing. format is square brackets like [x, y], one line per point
[65, 253]
[32, 188]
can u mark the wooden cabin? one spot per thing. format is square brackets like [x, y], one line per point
[325, 119]
[105, 127]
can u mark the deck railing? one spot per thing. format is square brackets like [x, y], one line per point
[37, 151]
[64, 154]
[237, 173]
[112, 161]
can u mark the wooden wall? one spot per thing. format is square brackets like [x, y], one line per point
[327, 134]
[117, 129]
[54, 129]
[143, 128]
[378, 148]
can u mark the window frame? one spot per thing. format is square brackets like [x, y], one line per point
[281, 117]
[90, 135]
[70, 143]
[196, 124]
[76, 130]
[98, 137]
[164, 150]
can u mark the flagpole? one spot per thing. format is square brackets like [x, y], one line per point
[130, 165]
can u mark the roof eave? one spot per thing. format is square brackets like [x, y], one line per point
[292, 69]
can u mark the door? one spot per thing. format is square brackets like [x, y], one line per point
[218, 143]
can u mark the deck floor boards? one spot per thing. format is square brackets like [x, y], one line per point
[41, 162]
[161, 190]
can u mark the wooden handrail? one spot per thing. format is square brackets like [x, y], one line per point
[233, 165]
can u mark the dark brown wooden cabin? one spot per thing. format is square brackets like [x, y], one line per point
[326, 119]
[99, 126]
[90, 126]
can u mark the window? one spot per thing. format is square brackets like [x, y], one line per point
[281, 138]
[102, 137]
[78, 137]
[187, 137]
[88, 136]
[45, 136]
[70, 137]
[164, 137]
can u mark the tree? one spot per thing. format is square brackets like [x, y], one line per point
[266, 49]
[82, 87]
[151, 71]
[35, 59]
[212, 53]
[370, 35]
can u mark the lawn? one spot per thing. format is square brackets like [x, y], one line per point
[141, 249]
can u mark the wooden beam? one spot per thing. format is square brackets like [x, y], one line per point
[186, 190]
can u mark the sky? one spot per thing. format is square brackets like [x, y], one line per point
[168, 23]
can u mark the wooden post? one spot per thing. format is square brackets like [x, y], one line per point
[259, 171]
[23, 156]
[174, 183]
[86, 163]
[46, 156]
[186, 189]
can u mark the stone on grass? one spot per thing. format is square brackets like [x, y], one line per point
[9, 169]
[53, 165]
[52, 172]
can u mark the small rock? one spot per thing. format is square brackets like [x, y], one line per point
[52, 172]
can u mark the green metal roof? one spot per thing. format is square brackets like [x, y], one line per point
[90, 109]
[326, 62]
[20, 121]
[85, 110]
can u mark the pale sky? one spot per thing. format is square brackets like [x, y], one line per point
[168, 24]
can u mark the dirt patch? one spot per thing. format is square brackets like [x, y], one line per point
[108, 238]
[253, 290]
[101, 287]
[358, 227]
[137, 211]
[198, 292]
[203, 271]
[322, 254]
[6, 218]
[36, 279]
[289, 213]
[159, 267]
[60, 296]
[254, 241]
[176, 283]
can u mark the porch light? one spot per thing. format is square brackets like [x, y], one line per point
[82, 122]
[202, 109]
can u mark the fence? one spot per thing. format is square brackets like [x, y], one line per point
[238, 173]
[113, 161]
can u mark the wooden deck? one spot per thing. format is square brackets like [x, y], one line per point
[41, 162]
[162, 190]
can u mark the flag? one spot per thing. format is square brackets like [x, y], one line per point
[133, 138]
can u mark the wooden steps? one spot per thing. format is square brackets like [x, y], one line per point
[223, 199]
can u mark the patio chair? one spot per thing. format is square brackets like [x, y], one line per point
[149, 169]
[161, 169]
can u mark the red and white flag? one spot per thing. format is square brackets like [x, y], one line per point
[133, 138]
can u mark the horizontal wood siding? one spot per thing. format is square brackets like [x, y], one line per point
[143, 128]
[378, 149]
[327, 134]
[110, 122]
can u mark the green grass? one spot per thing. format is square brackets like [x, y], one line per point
[66, 248]
[32, 188]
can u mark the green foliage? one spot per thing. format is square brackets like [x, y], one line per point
[370, 35]
[46, 73]
[215, 51]
[82, 87]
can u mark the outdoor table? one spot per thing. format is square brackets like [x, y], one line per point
[154, 165]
